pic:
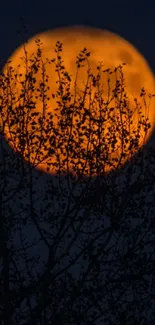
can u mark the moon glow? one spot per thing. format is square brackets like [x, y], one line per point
[104, 46]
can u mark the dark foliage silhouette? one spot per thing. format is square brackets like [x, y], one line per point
[94, 216]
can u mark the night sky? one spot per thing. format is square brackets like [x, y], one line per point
[133, 20]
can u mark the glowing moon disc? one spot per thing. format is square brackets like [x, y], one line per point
[105, 47]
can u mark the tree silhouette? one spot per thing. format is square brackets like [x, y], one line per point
[95, 271]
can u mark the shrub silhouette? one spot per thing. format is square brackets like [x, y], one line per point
[93, 272]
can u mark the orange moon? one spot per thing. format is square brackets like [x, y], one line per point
[104, 46]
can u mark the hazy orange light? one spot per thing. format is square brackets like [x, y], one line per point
[105, 47]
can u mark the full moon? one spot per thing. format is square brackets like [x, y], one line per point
[107, 50]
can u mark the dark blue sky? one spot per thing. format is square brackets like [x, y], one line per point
[134, 20]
